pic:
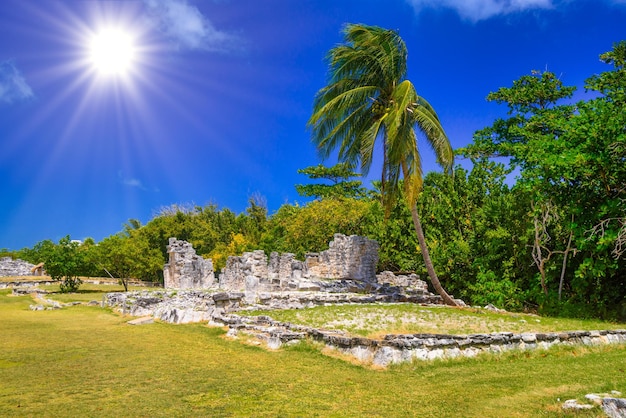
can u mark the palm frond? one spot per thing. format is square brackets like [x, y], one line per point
[427, 121]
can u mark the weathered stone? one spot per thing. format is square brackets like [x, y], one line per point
[352, 257]
[185, 269]
[411, 282]
[614, 407]
[10, 267]
[141, 321]
[573, 405]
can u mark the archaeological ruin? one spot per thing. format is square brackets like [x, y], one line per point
[351, 258]
[186, 269]
[10, 267]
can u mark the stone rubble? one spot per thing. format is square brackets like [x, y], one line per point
[185, 306]
[10, 267]
[612, 406]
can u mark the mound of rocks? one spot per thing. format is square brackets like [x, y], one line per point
[10, 267]
[611, 405]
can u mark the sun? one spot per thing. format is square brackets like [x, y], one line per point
[112, 52]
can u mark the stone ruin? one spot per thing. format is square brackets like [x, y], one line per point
[351, 258]
[10, 267]
[343, 274]
[186, 269]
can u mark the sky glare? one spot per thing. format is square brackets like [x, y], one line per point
[212, 101]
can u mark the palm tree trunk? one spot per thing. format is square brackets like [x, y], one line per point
[429, 264]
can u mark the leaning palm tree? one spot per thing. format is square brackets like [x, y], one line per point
[368, 100]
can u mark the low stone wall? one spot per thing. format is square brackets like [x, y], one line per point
[399, 348]
[226, 308]
[187, 306]
[175, 307]
[26, 283]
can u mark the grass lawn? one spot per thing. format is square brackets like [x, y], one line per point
[87, 292]
[86, 361]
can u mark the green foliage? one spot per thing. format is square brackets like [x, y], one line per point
[63, 263]
[302, 229]
[367, 99]
[339, 175]
[572, 171]
[501, 292]
[126, 257]
[38, 254]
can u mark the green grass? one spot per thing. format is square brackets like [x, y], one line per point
[374, 320]
[87, 292]
[86, 361]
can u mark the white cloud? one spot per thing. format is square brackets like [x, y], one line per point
[133, 183]
[13, 86]
[130, 182]
[187, 27]
[476, 10]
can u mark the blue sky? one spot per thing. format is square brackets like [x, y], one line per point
[213, 107]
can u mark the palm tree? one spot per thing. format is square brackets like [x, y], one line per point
[369, 99]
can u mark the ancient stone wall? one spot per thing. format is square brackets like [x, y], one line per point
[352, 257]
[347, 258]
[186, 269]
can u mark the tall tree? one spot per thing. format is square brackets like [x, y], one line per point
[369, 99]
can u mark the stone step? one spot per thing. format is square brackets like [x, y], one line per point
[141, 321]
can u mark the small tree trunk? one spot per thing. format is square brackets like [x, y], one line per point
[429, 264]
[564, 266]
[540, 261]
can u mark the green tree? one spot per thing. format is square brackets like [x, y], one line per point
[64, 262]
[39, 253]
[572, 171]
[368, 98]
[339, 175]
[127, 257]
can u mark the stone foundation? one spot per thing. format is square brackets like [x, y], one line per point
[399, 348]
[187, 306]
